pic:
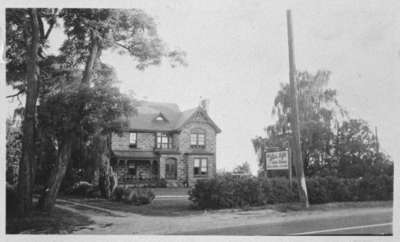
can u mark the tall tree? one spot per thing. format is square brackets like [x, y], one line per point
[357, 151]
[61, 118]
[319, 111]
[130, 31]
[332, 143]
[26, 38]
[90, 32]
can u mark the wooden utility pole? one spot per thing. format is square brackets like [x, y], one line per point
[376, 139]
[297, 157]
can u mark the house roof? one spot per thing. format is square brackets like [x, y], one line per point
[133, 154]
[154, 116]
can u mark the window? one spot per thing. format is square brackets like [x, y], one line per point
[160, 118]
[163, 141]
[197, 139]
[200, 166]
[132, 139]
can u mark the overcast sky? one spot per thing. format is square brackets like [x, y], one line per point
[237, 54]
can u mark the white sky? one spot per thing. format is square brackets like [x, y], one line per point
[237, 54]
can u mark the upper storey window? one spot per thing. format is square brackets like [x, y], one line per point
[133, 139]
[197, 139]
[163, 141]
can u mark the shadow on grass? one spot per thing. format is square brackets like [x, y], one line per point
[59, 221]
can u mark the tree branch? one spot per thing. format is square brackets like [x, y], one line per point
[41, 27]
[48, 31]
[16, 94]
[123, 46]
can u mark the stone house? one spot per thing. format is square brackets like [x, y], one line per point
[163, 143]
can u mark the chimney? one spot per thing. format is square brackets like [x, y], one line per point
[205, 104]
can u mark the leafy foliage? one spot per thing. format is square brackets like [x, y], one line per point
[332, 143]
[13, 150]
[243, 168]
[61, 113]
[136, 196]
[129, 31]
[227, 191]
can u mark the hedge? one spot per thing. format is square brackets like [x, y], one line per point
[227, 191]
[136, 196]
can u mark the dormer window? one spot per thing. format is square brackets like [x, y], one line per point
[132, 139]
[197, 139]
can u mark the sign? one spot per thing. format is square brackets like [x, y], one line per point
[277, 160]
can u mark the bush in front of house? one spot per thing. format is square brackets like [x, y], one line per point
[376, 188]
[83, 189]
[278, 190]
[227, 191]
[136, 196]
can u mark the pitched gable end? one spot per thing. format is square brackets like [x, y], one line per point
[201, 116]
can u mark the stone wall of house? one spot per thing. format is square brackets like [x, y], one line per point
[145, 141]
[184, 137]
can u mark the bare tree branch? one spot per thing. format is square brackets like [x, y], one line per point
[16, 94]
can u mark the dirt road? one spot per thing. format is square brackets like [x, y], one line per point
[117, 222]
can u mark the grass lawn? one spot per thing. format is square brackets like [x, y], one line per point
[57, 222]
[158, 207]
[287, 207]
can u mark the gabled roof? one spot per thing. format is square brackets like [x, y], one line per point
[174, 119]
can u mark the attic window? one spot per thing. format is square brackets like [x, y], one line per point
[160, 117]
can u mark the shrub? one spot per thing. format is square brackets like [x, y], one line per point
[376, 188]
[227, 191]
[280, 191]
[338, 189]
[136, 196]
[81, 188]
[118, 193]
[317, 190]
[156, 183]
[214, 193]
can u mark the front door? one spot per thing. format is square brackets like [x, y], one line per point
[170, 168]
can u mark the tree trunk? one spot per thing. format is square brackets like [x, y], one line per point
[48, 199]
[106, 176]
[25, 182]
[90, 62]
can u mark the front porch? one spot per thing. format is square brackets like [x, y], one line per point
[146, 169]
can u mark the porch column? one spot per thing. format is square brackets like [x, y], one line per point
[162, 168]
